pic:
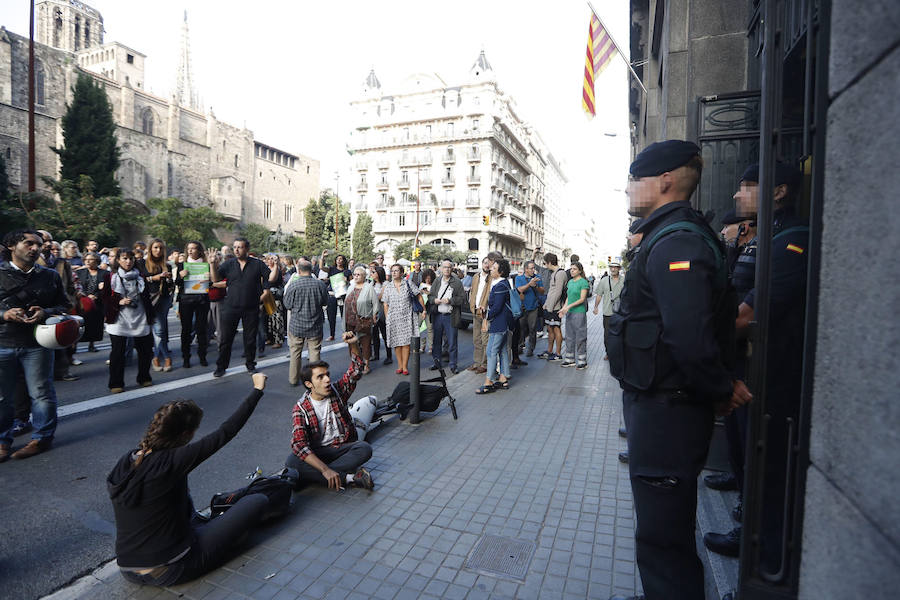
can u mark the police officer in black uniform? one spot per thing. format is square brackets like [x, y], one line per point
[669, 348]
[784, 364]
[743, 278]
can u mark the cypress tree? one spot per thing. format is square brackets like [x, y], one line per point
[89, 134]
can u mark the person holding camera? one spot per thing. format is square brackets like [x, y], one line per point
[29, 293]
[129, 314]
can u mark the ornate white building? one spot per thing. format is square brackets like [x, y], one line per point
[477, 169]
[169, 146]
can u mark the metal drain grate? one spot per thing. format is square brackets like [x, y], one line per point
[501, 557]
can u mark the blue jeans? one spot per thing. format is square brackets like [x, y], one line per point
[497, 349]
[160, 329]
[443, 325]
[37, 365]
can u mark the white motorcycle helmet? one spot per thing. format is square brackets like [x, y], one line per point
[59, 332]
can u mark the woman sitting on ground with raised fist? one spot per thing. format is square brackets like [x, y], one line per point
[159, 541]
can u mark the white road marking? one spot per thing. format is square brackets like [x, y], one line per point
[104, 401]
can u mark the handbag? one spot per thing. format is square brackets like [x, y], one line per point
[268, 303]
[414, 300]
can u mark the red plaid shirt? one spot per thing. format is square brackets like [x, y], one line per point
[305, 437]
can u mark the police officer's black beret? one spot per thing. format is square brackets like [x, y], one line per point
[731, 218]
[783, 174]
[662, 157]
[635, 225]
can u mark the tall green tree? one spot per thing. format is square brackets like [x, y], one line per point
[343, 223]
[89, 135]
[363, 240]
[315, 227]
[80, 214]
[176, 224]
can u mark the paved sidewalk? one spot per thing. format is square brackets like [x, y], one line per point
[536, 464]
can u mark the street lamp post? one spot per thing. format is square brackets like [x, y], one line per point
[337, 205]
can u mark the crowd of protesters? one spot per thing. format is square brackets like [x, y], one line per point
[128, 292]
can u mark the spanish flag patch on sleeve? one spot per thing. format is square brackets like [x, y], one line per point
[681, 265]
[794, 248]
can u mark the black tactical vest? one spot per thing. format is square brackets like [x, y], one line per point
[638, 357]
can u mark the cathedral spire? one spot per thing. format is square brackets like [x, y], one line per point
[185, 92]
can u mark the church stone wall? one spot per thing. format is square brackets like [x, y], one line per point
[189, 155]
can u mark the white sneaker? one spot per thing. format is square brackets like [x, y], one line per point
[77, 362]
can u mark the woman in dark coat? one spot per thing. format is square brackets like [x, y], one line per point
[94, 283]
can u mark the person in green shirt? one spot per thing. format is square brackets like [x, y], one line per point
[575, 313]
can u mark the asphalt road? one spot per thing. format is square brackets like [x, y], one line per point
[57, 518]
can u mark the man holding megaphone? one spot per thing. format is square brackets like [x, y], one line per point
[29, 295]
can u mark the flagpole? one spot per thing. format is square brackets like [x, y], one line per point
[618, 48]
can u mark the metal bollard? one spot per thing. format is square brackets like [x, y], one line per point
[414, 361]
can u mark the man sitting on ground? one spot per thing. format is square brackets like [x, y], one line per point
[324, 444]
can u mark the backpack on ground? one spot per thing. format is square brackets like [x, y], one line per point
[278, 487]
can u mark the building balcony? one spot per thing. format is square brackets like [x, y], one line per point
[408, 160]
[473, 202]
[382, 185]
[427, 201]
[403, 184]
[425, 182]
[362, 166]
[360, 206]
[448, 180]
[473, 179]
[425, 158]
[384, 204]
[384, 164]
[362, 186]
[473, 155]
[498, 206]
[445, 203]
[449, 157]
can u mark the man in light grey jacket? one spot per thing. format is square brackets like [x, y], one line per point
[445, 305]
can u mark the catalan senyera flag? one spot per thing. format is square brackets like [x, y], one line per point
[600, 52]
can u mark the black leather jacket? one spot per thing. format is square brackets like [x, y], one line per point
[41, 287]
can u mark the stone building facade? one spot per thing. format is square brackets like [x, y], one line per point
[167, 149]
[477, 167]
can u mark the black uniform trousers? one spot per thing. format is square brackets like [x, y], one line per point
[229, 319]
[668, 440]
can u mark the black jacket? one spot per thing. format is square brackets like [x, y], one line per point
[41, 287]
[151, 502]
[673, 330]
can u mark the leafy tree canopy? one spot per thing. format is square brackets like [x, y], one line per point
[79, 214]
[176, 224]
